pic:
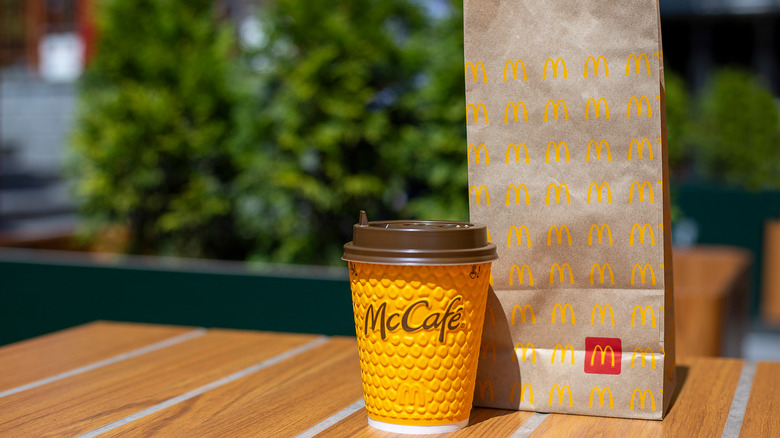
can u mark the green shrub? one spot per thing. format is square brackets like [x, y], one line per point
[738, 136]
[343, 106]
[150, 149]
[678, 121]
[358, 105]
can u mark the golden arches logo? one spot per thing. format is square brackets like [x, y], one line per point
[563, 353]
[603, 351]
[602, 313]
[601, 393]
[474, 69]
[483, 386]
[478, 150]
[643, 230]
[596, 105]
[596, 62]
[642, 271]
[561, 272]
[489, 310]
[522, 310]
[476, 109]
[516, 189]
[643, 356]
[598, 147]
[637, 63]
[642, 396]
[602, 270]
[558, 189]
[558, 147]
[520, 276]
[559, 234]
[411, 395]
[485, 350]
[640, 144]
[641, 190]
[561, 391]
[516, 149]
[600, 188]
[524, 352]
[513, 66]
[643, 315]
[600, 230]
[527, 388]
[637, 101]
[515, 111]
[518, 236]
[478, 194]
[555, 106]
[562, 309]
[555, 63]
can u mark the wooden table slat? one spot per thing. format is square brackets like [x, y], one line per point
[700, 409]
[90, 400]
[283, 400]
[52, 354]
[761, 416]
[276, 393]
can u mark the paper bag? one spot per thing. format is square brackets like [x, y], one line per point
[567, 168]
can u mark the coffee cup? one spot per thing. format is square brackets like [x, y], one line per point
[419, 290]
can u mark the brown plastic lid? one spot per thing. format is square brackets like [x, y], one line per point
[419, 243]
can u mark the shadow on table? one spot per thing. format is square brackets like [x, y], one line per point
[478, 415]
[682, 375]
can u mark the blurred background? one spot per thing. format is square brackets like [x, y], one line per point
[201, 161]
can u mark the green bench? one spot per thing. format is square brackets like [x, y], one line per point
[45, 291]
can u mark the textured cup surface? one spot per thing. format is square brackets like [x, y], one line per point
[419, 330]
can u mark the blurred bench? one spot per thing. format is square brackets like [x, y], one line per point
[711, 287]
[45, 291]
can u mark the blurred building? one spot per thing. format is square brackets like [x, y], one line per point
[39, 33]
[44, 47]
[703, 35]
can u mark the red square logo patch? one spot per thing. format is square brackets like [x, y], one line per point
[602, 355]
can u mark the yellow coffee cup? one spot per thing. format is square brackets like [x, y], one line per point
[419, 290]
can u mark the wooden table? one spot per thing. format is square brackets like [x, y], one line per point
[118, 379]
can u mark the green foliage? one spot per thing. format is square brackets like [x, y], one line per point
[359, 105]
[678, 119]
[344, 106]
[738, 137]
[150, 150]
[437, 146]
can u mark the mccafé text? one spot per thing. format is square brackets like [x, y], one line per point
[442, 321]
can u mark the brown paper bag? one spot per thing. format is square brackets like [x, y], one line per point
[567, 167]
